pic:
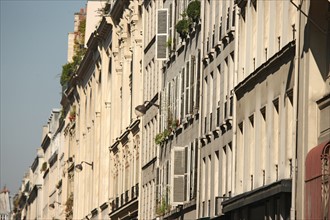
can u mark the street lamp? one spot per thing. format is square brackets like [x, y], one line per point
[79, 166]
[140, 110]
[52, 205]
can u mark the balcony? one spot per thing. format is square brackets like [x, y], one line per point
[241, 3]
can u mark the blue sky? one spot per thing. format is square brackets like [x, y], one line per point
[33, 48]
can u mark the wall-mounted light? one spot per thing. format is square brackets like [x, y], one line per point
[140, 110]
[79, 166]
[52, 205]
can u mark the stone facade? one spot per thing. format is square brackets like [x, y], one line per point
[174, 115]
[5, 204]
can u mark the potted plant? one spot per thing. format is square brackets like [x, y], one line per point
[194, 10]
[43, 167]
[72, 115]
[69, 205]
[163, 207]
[182, 27]
[159, 139]
[175, 124]
[162, 136]
[169, 43]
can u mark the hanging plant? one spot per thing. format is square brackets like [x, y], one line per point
[194, 10]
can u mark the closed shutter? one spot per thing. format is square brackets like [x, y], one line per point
[170, 24]
[187, 110]
[192, 82]
[157, 185]
[161, 37]
[178, 189]
[182, 95]
[178, 160]
[198, 74]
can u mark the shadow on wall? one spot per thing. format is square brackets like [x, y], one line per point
[316, 35]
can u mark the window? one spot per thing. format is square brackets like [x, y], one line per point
[161, 37]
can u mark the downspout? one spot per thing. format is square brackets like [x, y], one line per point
[235, 99]
[140, 98]
[200, 110]
[295, 117]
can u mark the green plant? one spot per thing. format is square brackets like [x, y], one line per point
[169, 42]
[70, 68]
[72, 115]
[194, 10]
[161, 137]
[43, 167]
[182, 27]
[166, 133]
[163, 207]
[67, 71]
[174, 124]
[62, 114]
[69, 204]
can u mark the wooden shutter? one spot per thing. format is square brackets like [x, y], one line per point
[161, 37]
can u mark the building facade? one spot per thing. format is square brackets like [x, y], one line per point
[152, 79]
[5, 204]
[187, 109]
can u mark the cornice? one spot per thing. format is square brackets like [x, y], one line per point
[266, 69]
[45, 142]
[117, 9]
[35, 164]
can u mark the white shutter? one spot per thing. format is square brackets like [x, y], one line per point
[178, 179]
[161, 37]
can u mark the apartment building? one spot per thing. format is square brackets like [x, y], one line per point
[125, 137]
[273, 62]
[51, 168]
[75, 36]
[89, 163]
[179, 115]
[20, 198]
[103, 94]
[185, 109]
[313, 104]
[34, 200]
[40, 186]
[5, 204]
[151, 84]
[217, 83]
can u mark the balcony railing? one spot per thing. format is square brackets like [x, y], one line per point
[125, 197]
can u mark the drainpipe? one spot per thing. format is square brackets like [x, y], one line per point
[200, 111]
[234, 98]
[140, 99]
[295, 117]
